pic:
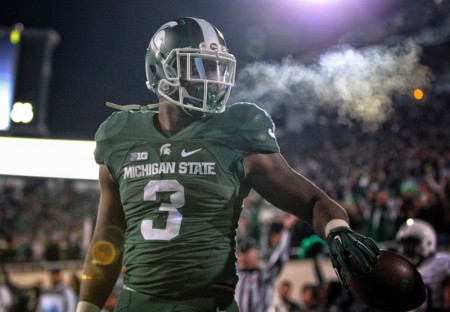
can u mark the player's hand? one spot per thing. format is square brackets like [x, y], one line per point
[351, 253]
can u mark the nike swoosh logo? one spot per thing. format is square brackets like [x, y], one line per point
[271, 133]
[186, 154]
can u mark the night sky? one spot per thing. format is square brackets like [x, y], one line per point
[100, 56]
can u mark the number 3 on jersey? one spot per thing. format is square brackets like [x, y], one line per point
[174, 217]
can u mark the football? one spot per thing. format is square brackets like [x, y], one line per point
[394, 284]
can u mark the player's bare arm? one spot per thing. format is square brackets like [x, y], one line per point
[102, 265]
[272, 177]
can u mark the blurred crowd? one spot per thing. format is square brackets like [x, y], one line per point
[45, 219]
[381, 178]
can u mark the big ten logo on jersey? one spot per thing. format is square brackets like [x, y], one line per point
[137, 156]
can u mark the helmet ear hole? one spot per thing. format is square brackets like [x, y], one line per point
[153, 69]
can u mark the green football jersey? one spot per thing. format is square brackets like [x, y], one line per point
[182, 195]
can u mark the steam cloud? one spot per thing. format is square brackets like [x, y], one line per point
[357, 84]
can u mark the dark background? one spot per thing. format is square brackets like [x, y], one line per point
[100, 54]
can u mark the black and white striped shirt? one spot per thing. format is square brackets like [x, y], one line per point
[254, 290]
[59, 298]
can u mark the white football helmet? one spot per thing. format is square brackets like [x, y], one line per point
[423, 232]
[188, 63]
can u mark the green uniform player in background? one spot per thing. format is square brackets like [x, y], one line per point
[172, 184]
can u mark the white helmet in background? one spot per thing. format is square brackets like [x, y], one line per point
[421, 231]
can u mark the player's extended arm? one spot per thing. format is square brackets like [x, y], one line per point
[104, 258]
[272, 177]
[276, 181]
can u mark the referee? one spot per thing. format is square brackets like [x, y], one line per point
[254, 290]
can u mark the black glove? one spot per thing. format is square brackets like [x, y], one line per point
[351, 253]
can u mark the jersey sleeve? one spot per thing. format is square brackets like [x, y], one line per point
[256, 130]
[102, 147]
[105, 134]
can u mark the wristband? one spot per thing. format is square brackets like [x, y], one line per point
[84, 306]
[332, 224]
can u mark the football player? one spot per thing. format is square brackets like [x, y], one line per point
[172, 184]
[418, 242]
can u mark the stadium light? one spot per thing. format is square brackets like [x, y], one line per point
[26, 56]
[22, 112]
[418, 94]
